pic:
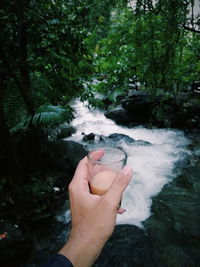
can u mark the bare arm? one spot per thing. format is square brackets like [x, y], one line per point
[93, 217]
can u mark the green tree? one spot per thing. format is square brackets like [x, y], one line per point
[44, 63]
[150, 45]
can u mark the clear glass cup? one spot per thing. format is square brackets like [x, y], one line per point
[102, 172]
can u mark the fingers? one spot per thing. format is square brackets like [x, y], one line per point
[117, 188]
[82, 169]
[96, 154]
[121, 210]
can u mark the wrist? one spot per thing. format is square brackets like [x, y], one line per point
[82, 249]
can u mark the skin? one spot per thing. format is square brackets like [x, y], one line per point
[93, 216]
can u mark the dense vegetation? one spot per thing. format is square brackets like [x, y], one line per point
[152, 46]
[44, 64]
[52, 51]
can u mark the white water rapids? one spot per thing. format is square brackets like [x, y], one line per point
[153, 165]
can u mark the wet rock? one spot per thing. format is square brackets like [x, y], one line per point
[142, 143]
[62, 155]
[74, 153]
[187, 117]
[118, 137]
[119, 115]
[113, 139]
[135, 109]
[89, 137]
[129, 246]
[141, 108]
[183, 162]
[65, 132]
[174, 225]
[139, 103]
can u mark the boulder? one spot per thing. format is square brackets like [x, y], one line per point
[139, 103]
[119, 115]
[89, 137]
[118, 137]
[187, 117]
[65, 132]
[141, 108]
[60, 158]
[112, 139]
[135, 109]
[106, 140]
[74, 153]
[128, 246]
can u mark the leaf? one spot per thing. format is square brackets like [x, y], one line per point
[49, 115]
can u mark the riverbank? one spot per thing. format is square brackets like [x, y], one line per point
[159, 111]
[159, 201]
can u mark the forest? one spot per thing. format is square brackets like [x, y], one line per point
[102, 52]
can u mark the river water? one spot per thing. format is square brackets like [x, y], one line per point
[152, 160]
[161, 226]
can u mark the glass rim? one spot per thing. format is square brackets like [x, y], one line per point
[110, 162]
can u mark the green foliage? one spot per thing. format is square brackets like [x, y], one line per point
[41, 89]
[44, 54]
[43, 65]
[46, 115]
[45, 61]
[49, 115]
[149, 46]
[161, 115]
[50, 49]
[14, 106]
[38, 187]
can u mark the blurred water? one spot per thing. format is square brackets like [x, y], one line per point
[153, 164]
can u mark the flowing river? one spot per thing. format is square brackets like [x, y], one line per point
[158, 157]
[153, 162]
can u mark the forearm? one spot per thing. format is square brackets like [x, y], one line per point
[82, 250]
[93, 216]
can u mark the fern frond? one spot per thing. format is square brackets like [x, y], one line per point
[46, 115]
[14, 106]
[41, 90]
[61, 131]
[49, 115]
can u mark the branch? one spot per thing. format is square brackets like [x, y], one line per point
[191, 29]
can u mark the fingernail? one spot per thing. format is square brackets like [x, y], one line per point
[127, 170]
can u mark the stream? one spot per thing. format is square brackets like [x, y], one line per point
[160, 227]
[152, 160]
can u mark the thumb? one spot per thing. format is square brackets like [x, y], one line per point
[117, 188]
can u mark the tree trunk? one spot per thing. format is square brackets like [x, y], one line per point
[22, 52]
[11, 165]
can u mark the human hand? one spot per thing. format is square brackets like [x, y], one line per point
[93, 216]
